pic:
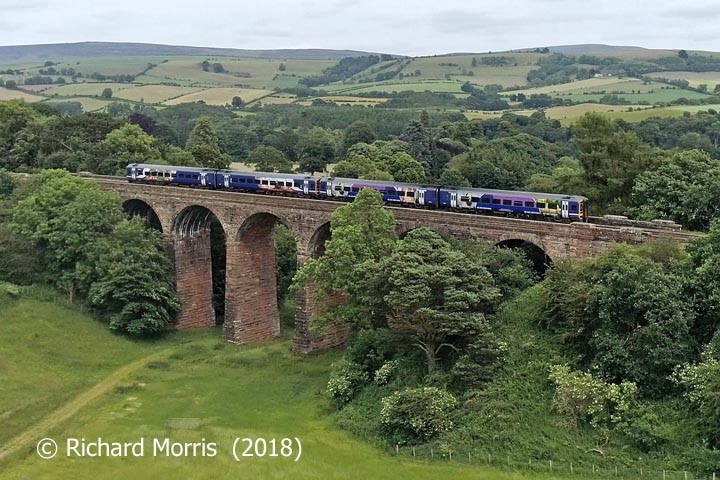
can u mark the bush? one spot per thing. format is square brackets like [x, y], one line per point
[417, 415]
[346, 380]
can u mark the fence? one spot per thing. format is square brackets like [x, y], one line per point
[548, 467]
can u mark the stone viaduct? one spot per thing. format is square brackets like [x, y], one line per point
[249, 220]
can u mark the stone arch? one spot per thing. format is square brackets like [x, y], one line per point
[535, 253]
[198, 243]
[251, 290]
[316, 245]
[135, 207]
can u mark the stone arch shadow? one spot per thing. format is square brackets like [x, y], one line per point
[537, 255]
[135, 207]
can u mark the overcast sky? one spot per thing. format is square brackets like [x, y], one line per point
[420, 27]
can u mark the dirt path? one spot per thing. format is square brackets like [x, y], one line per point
[38, 431]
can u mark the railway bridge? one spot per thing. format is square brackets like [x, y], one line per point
[184, 216]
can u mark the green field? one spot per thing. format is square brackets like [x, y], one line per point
[87, 89]
[695, 78]
[154, 93]
[137, 390]
[89, 104]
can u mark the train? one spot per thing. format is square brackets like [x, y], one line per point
[529, 205]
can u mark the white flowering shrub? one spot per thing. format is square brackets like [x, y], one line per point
[581, 396]
[384, 373]
[346, 380]
[417, 414]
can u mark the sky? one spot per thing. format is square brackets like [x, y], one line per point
[419, 27]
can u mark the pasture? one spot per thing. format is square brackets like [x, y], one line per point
[89, 104]
[10, 94]
[87, 89]
[694, 78]
[190, 387]
[154, 93]
[220, 96]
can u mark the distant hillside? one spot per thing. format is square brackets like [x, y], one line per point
[111, 49]
[594, 49]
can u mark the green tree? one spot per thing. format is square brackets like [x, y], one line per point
[107, 93]
[65, 218]
[7, 183]
[683, 188]
[237, 102]
[316, 149]
[125, 145]
[434, 293]
[357, 132]
[362, 233]
[134, 289]
[204, 146]
[405, 168]
[269, 159]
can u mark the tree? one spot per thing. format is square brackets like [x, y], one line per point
[11, 84]
[405, 168]
[237, 102]
[135, 285]
[7, 183]
[204, 146]
[316, 149]
[125, 145]
[434, 293]
[357, 132]
[362, 233]
[683, 54]
[269, 159]
[65, 218]
[683, 188]
[107, 93]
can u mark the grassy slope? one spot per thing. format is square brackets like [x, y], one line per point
[49, 354]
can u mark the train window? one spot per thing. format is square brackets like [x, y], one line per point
[529, 204]
[573, 208]
[496, 201]
[507, 202]
[355, 189]
[264, 182]
[541, 204]
[485, 199]
[338, 188]
[271, 182]
[475, 199]
[347, 189]
[553, 205]
[517, 203]
[196, 177]
[410, 194]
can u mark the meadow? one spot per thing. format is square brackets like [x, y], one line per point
[188, 387]
[7, 94]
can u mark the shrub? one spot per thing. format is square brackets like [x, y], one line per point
[417, 414]
[384, 373]
[346, 380]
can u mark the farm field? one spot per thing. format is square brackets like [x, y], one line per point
[695, 78]
[154, 93]
[9, 94]
[433, 86]
[220, 96]
[189, 387]
[104, 65]
[87, 89]
[89, 104]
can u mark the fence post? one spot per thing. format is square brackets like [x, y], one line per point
[397, 449]
[663, 474]
[571, 469]
[509, 462]
[451, 456]
[550, 465]
[413, 452]
[432, 454]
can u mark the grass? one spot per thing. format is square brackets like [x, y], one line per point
[220, 96]
[154, 93]
[87, 89]
[54, 359]
[694, 78]
[9, 94]
[89, 104]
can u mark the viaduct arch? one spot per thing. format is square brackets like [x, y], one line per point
[249, 222]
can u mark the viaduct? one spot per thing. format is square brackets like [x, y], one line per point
[249, 220]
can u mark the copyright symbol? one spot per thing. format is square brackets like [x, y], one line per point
[46, 448]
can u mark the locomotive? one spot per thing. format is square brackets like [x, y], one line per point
[531, 205]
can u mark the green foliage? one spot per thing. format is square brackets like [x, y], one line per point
[7, 183]
[362, 231]
[107, 93]
[581, 396]
[316, 149]
[286, 258]
[125, 145]
[357, 132]
[625, 316]
[684, 188]
[417, 415]
[433, 292]
[135, 286]
[482, 359]
[702, 383]
[346, 380]
[269, 159]
[203, 144]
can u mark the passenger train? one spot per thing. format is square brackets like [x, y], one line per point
[531, 205]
